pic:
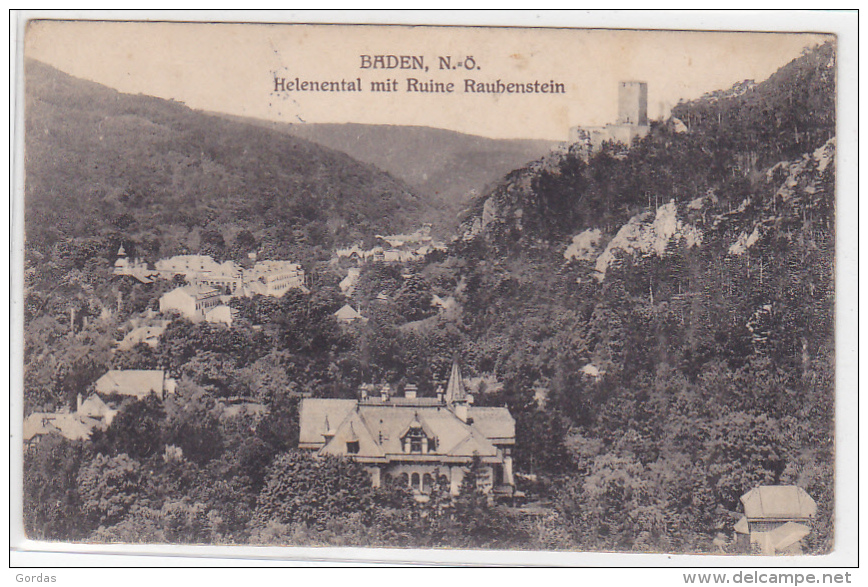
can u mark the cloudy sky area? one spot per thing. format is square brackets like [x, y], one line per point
[231, 68]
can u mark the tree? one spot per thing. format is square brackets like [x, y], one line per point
[136, 430]
[313, 490]
[193, 424]
[470, 519]
[109, 486]
[742, 452]
[52, 506]
[279, 427]
[414, 299]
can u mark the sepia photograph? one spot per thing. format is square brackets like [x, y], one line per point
[492, 288]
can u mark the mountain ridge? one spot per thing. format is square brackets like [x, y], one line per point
[121, 166]
[446, 166]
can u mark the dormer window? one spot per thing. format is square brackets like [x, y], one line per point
[416, 441]
[352, 447]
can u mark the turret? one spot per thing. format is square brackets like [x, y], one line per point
[457, 398]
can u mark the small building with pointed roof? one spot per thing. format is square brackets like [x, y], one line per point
[776, 518]
[415, 440]
[347, 315]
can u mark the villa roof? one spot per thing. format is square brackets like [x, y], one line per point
[379, 429]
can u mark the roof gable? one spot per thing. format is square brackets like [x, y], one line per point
[354, 429]
[347, 312]
[94, 407]
[474, 444]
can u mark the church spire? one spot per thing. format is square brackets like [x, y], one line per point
[455, 392]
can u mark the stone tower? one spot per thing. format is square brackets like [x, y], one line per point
[633, 103]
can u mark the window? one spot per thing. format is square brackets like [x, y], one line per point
[414, 481]
[352, 447]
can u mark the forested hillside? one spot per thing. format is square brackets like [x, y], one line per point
[104, 167]
[674, 304]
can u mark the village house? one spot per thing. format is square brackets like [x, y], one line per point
[269, 278]
[137, 383]
[203, 271]
[70, 426]
[415, 440]
[348, 283]
[148, 335]
[90, 414]
[776, 519]
[190, 266]
[347, 315]
[190, 301]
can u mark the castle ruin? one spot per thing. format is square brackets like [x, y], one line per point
[632, 120]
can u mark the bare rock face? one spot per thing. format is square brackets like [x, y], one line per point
[644, 236]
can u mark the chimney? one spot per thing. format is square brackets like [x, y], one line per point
[78, 403]
[363, 392]
[440, 393]
[385, 392]
[410, 391]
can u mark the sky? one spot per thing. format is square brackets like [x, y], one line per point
[231, 68]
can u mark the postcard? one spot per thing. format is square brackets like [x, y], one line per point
[445, 288]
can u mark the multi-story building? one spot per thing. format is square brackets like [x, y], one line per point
[273, 278]
[415, 440]
[190, 301]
